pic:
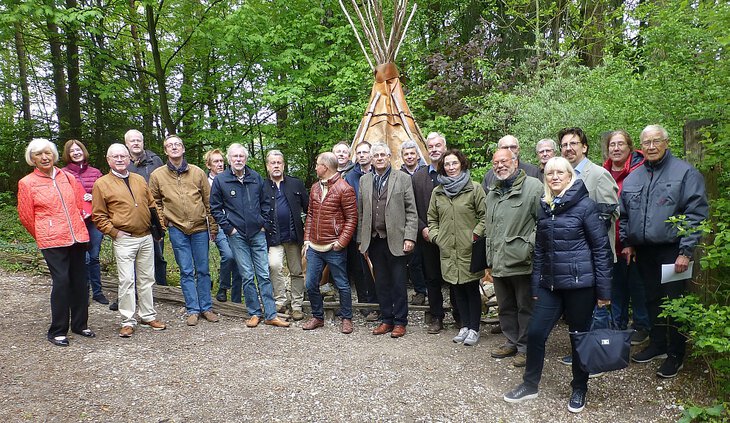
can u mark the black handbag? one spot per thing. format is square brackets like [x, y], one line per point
[603, 350]
[478, 255]
[155, 226]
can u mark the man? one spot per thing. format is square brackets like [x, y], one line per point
[121, 203]
[330, 226]
[510, 221]
[289, 199]
[600, 185]
[424, 181]
[663, 187]
[182, 194]
[411, 163]
[545, 150]
[144, 162]
[510, 142]
[387, 241]
[238, 204]
[342, 152]
[229, 277]
[357, 267]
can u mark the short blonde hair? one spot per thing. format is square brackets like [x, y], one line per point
[39, 144]
[557, 163]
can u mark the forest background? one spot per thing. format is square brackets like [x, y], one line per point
[290, 75]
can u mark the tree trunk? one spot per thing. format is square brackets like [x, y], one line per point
[142, 83]
[72, 65]
[167, 121]
[23, 75]
[59, 79]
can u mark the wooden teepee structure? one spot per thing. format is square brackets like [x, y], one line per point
[387, 117]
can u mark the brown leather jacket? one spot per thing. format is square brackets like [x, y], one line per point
[335, 218]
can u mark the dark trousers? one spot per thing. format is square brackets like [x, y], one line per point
[390, 282]
[577, 304]
[664, 334]
[515, 308]
[160, 262]
[70, 290]
[415, 271]
[469, 301]
[358, 272]
[431, 260]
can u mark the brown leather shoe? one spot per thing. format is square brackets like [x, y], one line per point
[253, 321]
[398, 331]
[210, 316]
[313, 323]
[126, 331]
[277, 322]
[346, 326]
[154, 325]
[382, 329]
[436, 326]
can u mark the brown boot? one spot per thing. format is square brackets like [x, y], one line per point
[436, 326]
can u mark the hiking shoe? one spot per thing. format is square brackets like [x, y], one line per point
[210, 316]
[639, 337]
[436, 326]
[221, 296]
[648, 354]
[418, 299]
[463, 332]
[496, 329]
[126, 331]
[520, 359]
[577, 401]
[192, 319]
[154, 324]
[471, 338]
[504, 351]
[373, 316]
[567, 360]
[101, 299]
[669, 369]
[520, 393]
[114, 306]
[297, 315]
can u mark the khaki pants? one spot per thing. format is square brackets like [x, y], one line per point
[135, 259]
[291, 251]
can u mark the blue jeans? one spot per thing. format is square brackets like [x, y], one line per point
[627, 285]
[578, 305]
[93, 268]
[252, 257]
[191, 254]
[230, 277]
[337, 261]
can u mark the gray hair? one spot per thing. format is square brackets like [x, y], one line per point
[115, 146]
[236, 146]
[328, 159]
[655, 128]
[132, 132]
[435, 135]
[552, 142]
[379, 146]
[39, 144]
[508, 137]
[408, 144]
[341, 143]
[272, 153]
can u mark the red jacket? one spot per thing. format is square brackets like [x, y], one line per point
[335, 218]
[52, 209]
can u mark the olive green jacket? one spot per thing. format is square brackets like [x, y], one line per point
[452, 225]
[509, 226]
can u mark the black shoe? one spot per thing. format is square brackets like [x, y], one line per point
[221, 296]
[59, 341]
[114, 306]
[101, 299]
[87, 333]
[639, 337]
[648, 354]
[520, 393]
[669, 369]
[418, 299]
[577, 401]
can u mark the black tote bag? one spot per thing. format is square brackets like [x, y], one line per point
[603, 350]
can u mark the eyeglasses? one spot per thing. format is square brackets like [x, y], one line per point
[174, 144]
[545, 151]
[503, 162]
[558, 173]
[619, 144]
[118, 157]
[570, 145]
[510, 147]
[649, 143]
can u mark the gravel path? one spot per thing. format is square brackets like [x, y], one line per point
[227, 372]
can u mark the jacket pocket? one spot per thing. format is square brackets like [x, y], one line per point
[337, 227]
[517, 251]
[633, 197]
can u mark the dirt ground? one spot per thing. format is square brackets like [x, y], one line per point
[227, 372]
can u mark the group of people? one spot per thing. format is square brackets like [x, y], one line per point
[568, 238]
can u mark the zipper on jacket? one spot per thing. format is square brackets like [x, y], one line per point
[65, 209]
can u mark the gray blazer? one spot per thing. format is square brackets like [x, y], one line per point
[401, 218]
[604, 191]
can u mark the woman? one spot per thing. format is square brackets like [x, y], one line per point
[455, 219]
[50, 206]
[76, 156]
[571, 268]
[626, 284]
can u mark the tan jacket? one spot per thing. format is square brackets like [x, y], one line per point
[183, 199]
[117, 207]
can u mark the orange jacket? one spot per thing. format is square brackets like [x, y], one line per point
[51, 209]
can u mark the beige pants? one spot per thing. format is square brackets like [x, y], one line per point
[135, 256]
[291, 251]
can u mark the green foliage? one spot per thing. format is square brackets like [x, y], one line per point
[716, 413]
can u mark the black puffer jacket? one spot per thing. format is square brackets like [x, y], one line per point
[571, 246]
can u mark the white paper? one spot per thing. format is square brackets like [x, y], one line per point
[669, 275]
